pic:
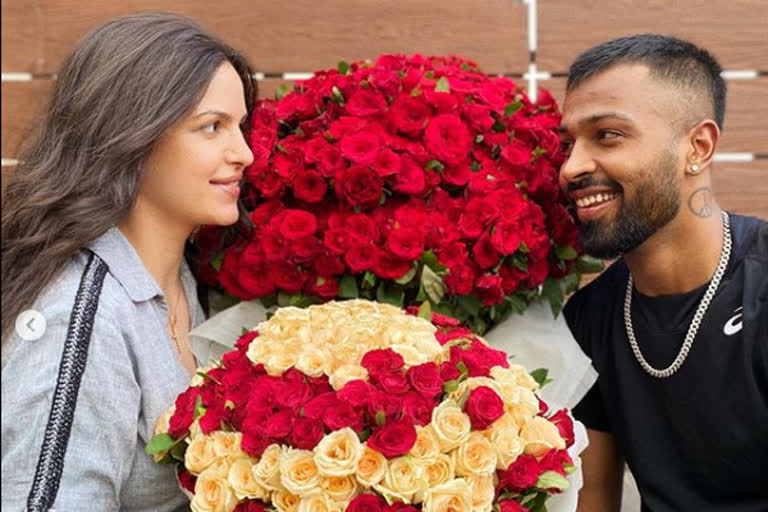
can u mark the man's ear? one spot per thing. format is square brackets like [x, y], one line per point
[702, 143]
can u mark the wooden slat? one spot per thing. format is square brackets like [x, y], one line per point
[300, 35]
[742, 188]
[734, 31]
[22, 103]
[746, 128]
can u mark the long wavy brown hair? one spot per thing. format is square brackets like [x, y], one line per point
[123, 86]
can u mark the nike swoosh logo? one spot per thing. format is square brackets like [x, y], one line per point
[734, 324]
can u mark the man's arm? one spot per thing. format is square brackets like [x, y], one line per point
[603, 468]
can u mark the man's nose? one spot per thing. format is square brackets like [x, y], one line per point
[579, 164]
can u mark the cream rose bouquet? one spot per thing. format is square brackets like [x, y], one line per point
[361, 406]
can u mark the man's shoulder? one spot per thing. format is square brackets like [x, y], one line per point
[612, 281]
[750, 236]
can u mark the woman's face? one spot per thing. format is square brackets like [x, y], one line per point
[193, 173]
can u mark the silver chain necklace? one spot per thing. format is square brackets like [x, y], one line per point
[725, 255]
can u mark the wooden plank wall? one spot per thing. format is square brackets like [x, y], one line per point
[304, 35]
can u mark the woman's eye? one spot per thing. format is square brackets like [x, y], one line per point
[566, 146]
[211, 127]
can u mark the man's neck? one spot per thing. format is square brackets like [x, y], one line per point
[159, 244]
[680, 257]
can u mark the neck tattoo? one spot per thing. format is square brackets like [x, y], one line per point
[173, 319]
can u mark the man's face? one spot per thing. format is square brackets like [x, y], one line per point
[625, 158]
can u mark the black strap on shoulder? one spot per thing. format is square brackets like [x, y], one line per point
[50, 465]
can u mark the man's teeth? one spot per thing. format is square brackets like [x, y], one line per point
[595, 199]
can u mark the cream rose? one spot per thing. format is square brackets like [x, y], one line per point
[347, 373]
[213, 494]
[298, 472]
[404, 479]
[523, 406]
[199, 455]
[371, 467]
[340, 489]
[476, 456]
[312, 361]
[279, 361]
[243, 482]
[338, 453]
[316, 502]
[440, 470]
[226, 445]
[453, 496]
[267, 470]
[483, 491]
[285, 501]
[427, 445]
[540, 436]
[515, 373]
[451, 425]
[506, 442]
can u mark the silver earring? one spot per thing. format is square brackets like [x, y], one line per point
[694, 168]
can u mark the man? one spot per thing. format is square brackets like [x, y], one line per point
[677, 327]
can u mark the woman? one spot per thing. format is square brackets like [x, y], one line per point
[141, 144]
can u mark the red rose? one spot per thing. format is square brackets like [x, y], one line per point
[292, 393]
[387, 163]
[214, 415]
[409, 114]
[361, 258]
[457, 175]
[448, 139]
[407, 243]
[382, 361]
[506, 237]
[361, 148]
[516, 153]
[382, 402]
[362, 227]
[485, 253]
[297, 224]
[410, 179]
[564, 424]
[418, 408]
[557, 461]
[324, 287]
[425, 379]
[394, 439]
[399, 506]
[306, 433]
[479, 117]
[366, 102]
[395, 383]
[330, 162]
[317, 406]
[360, 186]
[326, 265]
[390, 266]
[510, 279]
[187, 480]
[449, 371]
[279, 424]
[288, 277]
[309, 186]
[250, 506]
[489, 290]
[452, 254]
[483, 407]
[338, 240]
[340, 415]
[185, 413]
[520, 475]
[367, 503]
[255, 439]
[512, 506]
[355, 393]
[537, 273]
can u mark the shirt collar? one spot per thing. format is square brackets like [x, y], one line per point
[125, 265]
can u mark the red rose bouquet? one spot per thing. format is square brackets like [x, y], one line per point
[358, 406]
[404, 181]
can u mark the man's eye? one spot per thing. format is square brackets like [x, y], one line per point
[566, 146]
[608, 135]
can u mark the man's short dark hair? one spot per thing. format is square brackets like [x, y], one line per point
[673, 60]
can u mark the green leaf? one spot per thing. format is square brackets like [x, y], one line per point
[207, 377]
[523, 248]
[244, 331]
[364, 434]
[475, 166]
[570, 283]
[178, 451]
[499, 127]
[381, 418]
[539, 152]
[470, 304]
[479, 138]
[586, 264]
[282, 90]
[408, 276]
[517, 303]
[433, 284]
[159, 444]
[348, 287]
[540, 376]
[429, 258]
[512, 108]
[463, 369]
[199, 408]
[450, 386]
[425, 311]
[435, 164]
[552, 480]
[390, 294]
[416, 92]
[337, 97]
[343, 67]
[519, 261]
[566, 252]
[369, 280]
[217, 261]
[553, 292]
[442, 85]
[269, 300]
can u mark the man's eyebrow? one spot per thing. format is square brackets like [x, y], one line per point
[596, 118]
[220, 114]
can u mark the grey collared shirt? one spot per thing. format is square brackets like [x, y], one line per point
[132, 375]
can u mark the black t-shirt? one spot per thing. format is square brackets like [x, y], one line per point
[697, 440]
